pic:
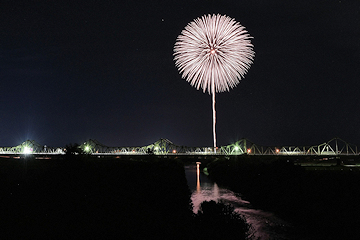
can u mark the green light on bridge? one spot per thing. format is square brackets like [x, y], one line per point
[87, 149]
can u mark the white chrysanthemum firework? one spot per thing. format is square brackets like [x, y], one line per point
[213, 53]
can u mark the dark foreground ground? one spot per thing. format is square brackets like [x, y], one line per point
[84, 197]
[147, 197]
[90, 198]
[321, 200]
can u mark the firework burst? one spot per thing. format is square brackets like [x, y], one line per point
[214, 53]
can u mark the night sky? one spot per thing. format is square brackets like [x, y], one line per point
[104, 70]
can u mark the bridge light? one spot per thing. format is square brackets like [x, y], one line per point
[249, 150]
[277, 150]
[236, 148]
[27, 150]
[87, 149]
[174, 151]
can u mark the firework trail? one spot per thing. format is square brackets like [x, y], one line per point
[214, 53]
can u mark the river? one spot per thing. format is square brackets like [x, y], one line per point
[265, 224]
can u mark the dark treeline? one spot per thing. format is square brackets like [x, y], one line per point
[84, 197]
[322, 204]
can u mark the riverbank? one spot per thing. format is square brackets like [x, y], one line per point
[113, 197]
[265, 225]
[90, 198]
[321, 203]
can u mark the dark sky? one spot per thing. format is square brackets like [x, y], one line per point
[71, 71]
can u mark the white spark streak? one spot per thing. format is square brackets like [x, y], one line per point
[213, 49]
[214, 53]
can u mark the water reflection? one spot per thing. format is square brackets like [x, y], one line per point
[197, 177]
[265, 224]
[206, 190]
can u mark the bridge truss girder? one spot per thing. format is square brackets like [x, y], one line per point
[335, 146]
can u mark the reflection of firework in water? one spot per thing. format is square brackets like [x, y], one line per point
[214, 53]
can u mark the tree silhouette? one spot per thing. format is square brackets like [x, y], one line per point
[221, 221]
[73, 149]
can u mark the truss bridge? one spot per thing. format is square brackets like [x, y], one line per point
[335, 146]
